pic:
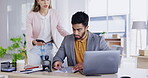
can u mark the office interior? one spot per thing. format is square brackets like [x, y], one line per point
[115, 17]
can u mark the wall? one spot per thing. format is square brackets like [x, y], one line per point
[13, 17]
[3, 23]
[67, 8]
[75, 6]
[138, 13]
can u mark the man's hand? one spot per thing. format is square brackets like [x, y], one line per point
[78, 66]
[57, 65]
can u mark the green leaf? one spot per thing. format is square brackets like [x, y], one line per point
[17, 57]
[2, 51]
[103, 32]
[17, 39]
[9, 48]
[16, 45]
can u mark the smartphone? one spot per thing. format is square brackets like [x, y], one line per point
[38, 40]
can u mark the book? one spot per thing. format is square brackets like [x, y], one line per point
[27, 67]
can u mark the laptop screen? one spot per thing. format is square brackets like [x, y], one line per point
[101, 62]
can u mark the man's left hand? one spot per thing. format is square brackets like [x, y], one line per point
[78, 66]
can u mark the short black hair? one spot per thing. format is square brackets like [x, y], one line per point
[80, 17]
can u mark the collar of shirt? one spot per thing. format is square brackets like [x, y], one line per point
[82, 40]
[44, 17]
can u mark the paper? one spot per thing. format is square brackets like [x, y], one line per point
[65, 70]
[29, 71]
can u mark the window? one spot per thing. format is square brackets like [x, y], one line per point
[117, 25]
[116, 16]
[109, 16]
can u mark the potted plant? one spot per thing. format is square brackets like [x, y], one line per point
[103, 34]
[16, 49]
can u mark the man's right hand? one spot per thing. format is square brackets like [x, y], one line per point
[57, 65]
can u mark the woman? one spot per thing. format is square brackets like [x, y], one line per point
[42, 23]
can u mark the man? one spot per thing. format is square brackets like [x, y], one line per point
[74, 45]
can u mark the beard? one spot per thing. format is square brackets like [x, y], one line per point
[80, 37]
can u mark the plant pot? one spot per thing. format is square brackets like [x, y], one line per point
[20, 65]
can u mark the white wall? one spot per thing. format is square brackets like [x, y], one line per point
[67, 8]
[3, 23]
[76, 5]
[138, 13]
[62, 7]
[12, 19]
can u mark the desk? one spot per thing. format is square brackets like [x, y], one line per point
[142, 61]
[114, 41]
[127, 67]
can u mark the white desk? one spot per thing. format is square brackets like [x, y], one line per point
[142, 61]
[127, 67]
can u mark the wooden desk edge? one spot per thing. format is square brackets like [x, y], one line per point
[139, 56]
[18, 75]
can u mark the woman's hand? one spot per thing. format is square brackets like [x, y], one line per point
[38, 43]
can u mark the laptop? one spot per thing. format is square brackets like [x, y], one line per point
[100, 62]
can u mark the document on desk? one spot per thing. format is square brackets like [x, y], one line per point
[29, 71]
[65, 70]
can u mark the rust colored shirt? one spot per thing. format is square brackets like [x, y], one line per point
[80, 47]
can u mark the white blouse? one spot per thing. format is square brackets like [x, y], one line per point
[45, 33]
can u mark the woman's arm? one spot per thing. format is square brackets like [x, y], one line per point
[62, 31]
[29, 29]
[60, 28]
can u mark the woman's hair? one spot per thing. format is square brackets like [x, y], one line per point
[36, 6]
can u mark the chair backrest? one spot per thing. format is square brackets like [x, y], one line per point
[117, 47]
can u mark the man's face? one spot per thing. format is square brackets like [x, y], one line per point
[79, 30]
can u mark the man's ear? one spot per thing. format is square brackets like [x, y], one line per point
[37, 1]
[86, 27]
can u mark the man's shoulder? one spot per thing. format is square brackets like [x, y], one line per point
[94, 35]
[69, 36]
